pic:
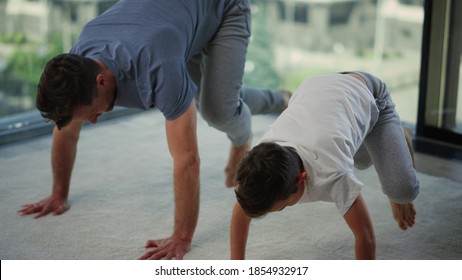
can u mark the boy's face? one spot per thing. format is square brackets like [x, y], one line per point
[281, 204]
[293, 198]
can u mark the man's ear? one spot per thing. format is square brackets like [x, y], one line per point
[100, 80]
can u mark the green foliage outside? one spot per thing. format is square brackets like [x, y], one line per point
[261, 55]
[293, 79]
[260, 52]
[24, 67]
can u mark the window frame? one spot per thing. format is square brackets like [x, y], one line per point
[439, 83]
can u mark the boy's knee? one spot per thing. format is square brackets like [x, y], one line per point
[402, 193]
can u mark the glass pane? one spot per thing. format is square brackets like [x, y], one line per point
[458, 128]
[295, 39]
[443, 109]
[291, 40]
[457, 53]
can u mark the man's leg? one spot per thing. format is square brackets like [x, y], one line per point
[221, 101]
[265, 101]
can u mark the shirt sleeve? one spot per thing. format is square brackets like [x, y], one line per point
[174, 90]
[345, 191]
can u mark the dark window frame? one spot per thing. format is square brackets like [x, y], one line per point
[433, 136]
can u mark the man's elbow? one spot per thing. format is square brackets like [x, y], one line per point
[190, 163]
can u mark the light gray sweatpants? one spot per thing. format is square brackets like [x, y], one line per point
[218, 71]
[385, 147]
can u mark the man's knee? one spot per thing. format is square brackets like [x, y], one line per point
[215, 118]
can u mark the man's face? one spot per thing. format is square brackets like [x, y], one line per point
[92, 112]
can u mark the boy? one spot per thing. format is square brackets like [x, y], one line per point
[333, 122]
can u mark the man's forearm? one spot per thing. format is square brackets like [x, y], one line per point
[186, 185]
[63, 153]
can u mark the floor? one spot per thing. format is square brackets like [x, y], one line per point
[436, 166]
[121, 196]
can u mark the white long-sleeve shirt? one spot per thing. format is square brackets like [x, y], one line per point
[326, 122]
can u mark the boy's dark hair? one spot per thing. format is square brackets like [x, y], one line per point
[267, 174]
[67, 81]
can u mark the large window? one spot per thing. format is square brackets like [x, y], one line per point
[379, 36]
[440, 110]
[292, 39]
[31, 32]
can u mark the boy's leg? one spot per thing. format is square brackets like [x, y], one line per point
[408, 135]
[392, 156]
[265, 101]
[362, 159]
[393, 162]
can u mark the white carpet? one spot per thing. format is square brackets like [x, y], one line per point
[121, 196]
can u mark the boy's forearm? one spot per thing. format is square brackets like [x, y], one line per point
[238, 244]
[240, 224]
[360, 223]
[364, 249]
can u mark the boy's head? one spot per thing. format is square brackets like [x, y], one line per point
[67, 81]
[268, 174]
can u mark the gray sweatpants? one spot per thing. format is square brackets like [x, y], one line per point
[218, 71]
[385, 147]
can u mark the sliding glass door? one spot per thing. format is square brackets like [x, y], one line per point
[440, 102]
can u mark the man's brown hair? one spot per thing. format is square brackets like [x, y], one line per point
[67, 81]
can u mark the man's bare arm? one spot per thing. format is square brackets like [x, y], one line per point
[63, 154]
[182, 142]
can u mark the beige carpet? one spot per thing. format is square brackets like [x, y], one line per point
[121, 196]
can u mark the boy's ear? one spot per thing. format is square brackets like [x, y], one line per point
[301, 177]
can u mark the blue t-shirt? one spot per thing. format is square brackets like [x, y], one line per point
[146, 44]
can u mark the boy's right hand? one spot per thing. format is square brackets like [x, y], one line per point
[52, 204]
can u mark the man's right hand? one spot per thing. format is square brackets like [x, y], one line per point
[63, 152]
[51, 204]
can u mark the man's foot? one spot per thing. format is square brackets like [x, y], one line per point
[404, 214]
[235, 156]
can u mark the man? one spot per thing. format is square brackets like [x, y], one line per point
[174, 55]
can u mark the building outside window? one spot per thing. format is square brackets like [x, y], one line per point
[383, 37]
[292, 39]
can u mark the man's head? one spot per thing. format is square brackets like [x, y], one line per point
[68, 82]
[269, 175]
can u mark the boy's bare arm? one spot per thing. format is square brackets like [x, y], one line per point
[240, 224]
[360, 223]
